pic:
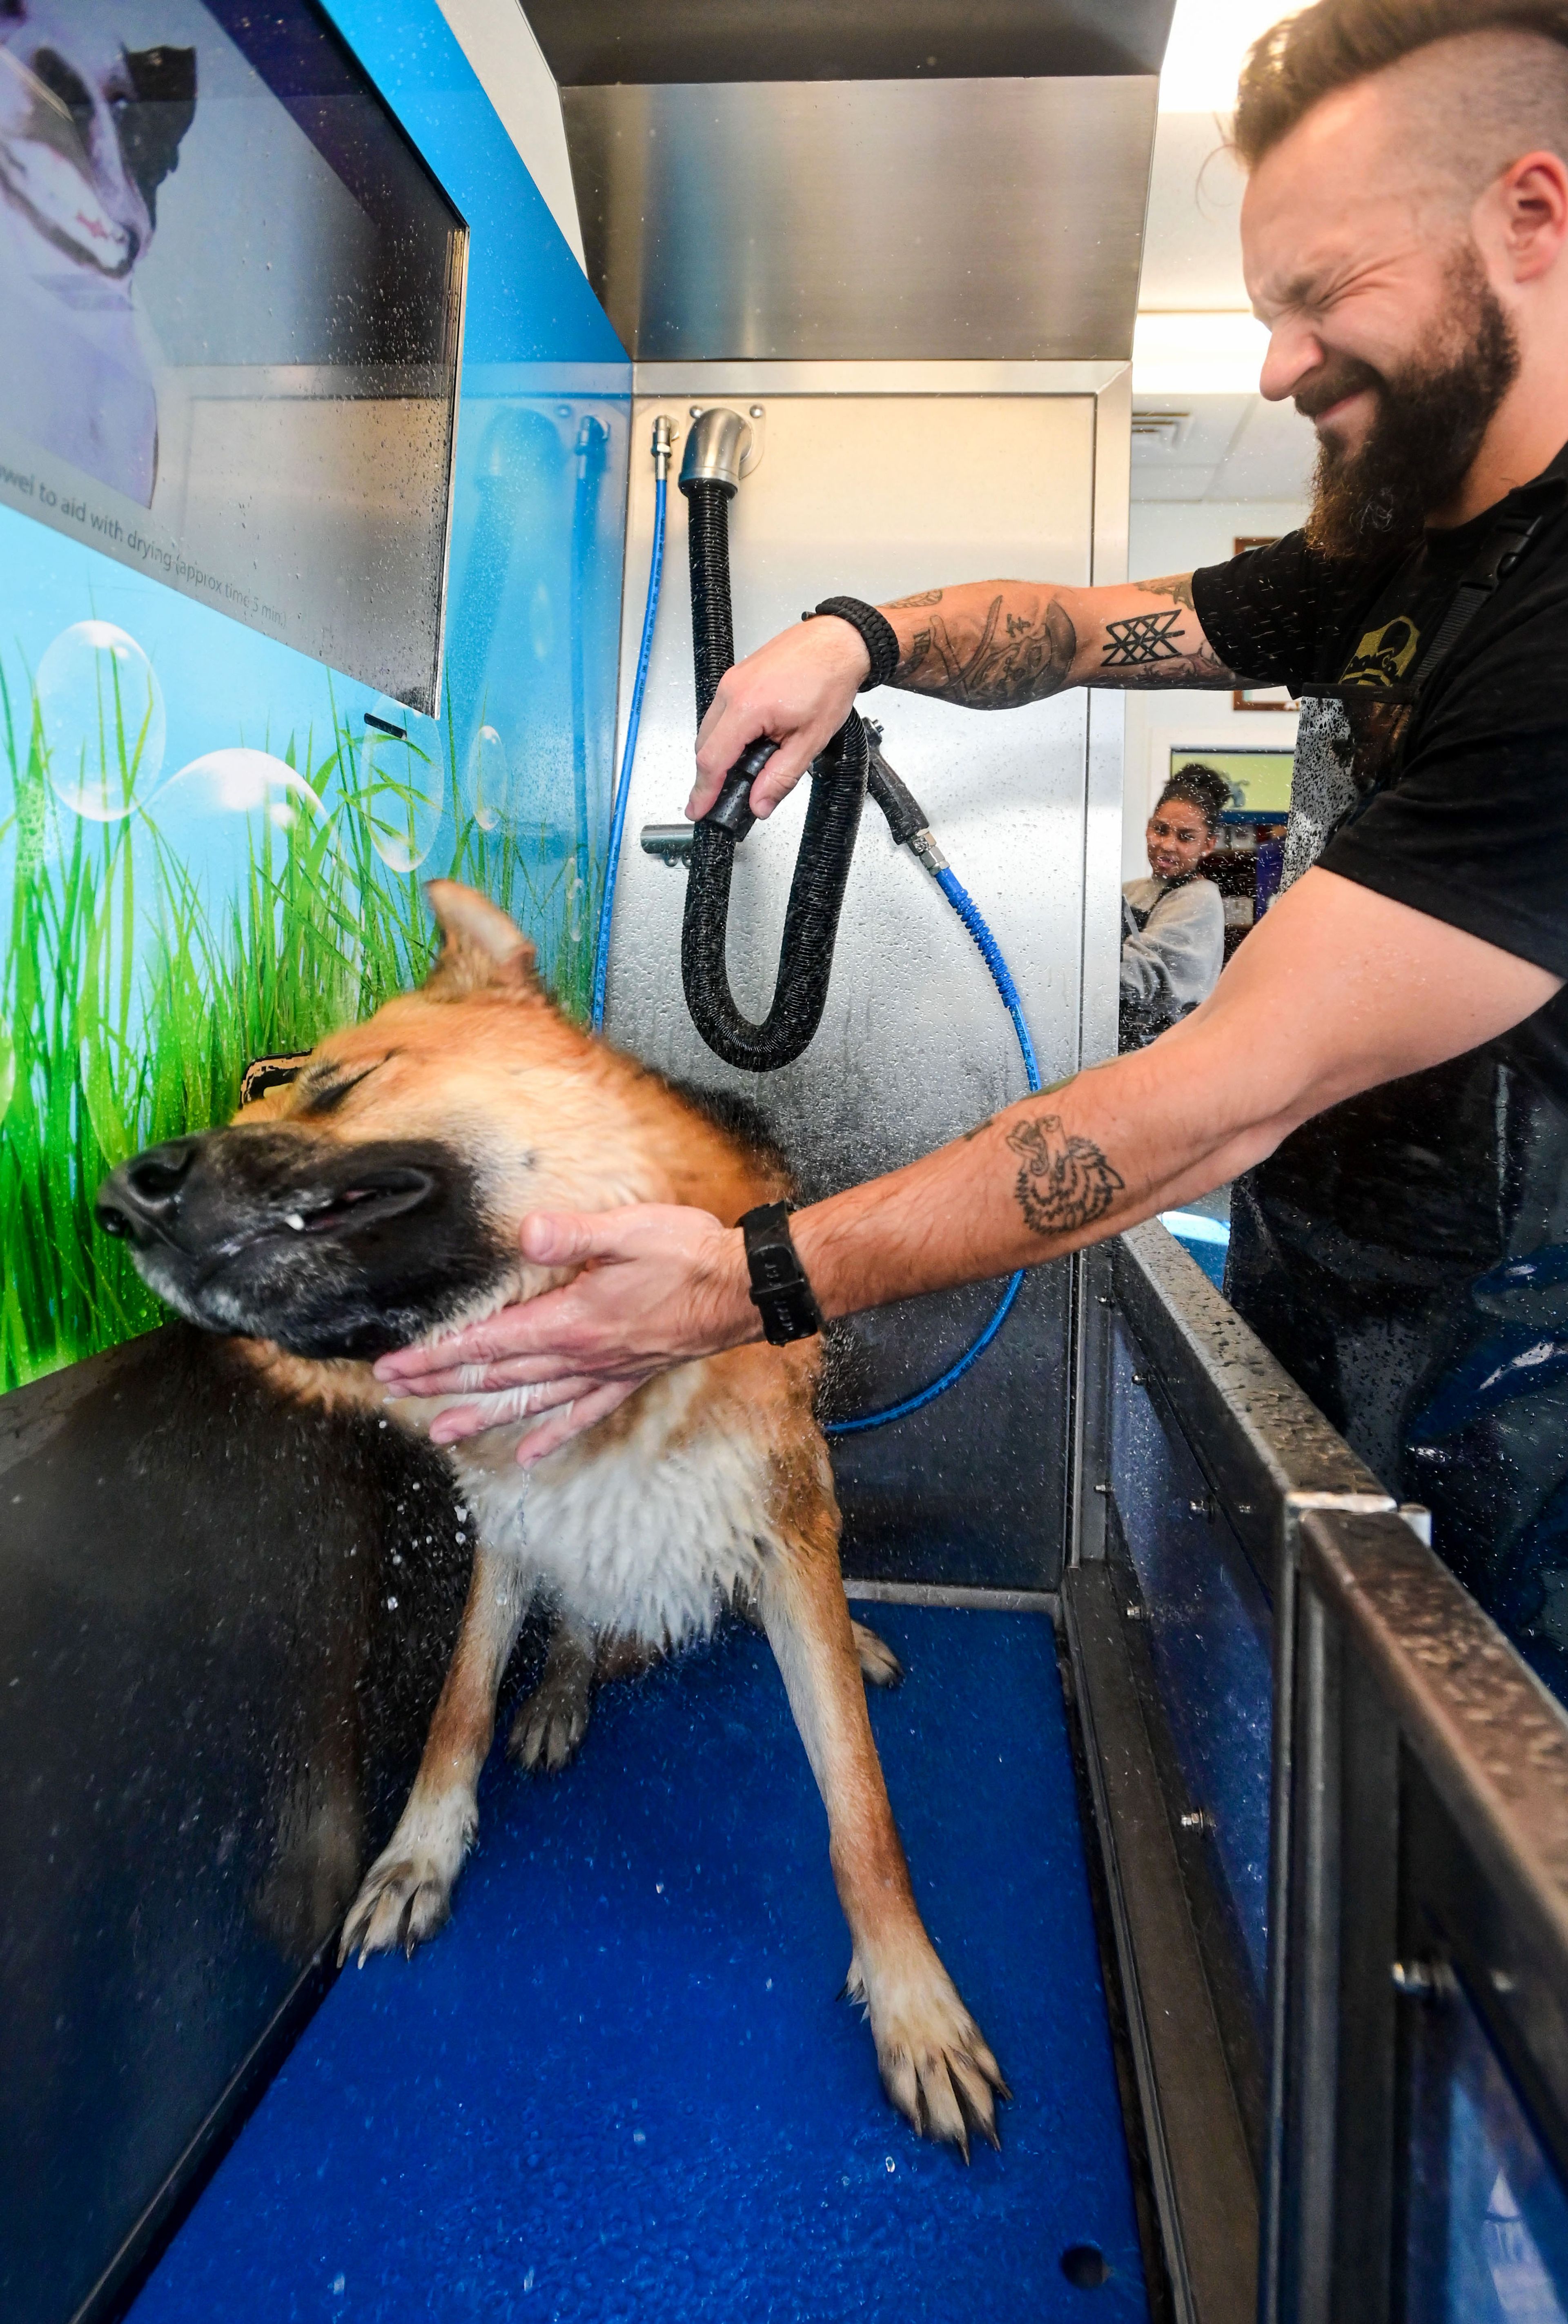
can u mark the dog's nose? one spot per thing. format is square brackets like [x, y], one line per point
[142, 1195]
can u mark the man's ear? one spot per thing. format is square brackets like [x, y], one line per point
[482, 951]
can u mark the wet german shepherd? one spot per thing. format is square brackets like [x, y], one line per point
[374, 1200]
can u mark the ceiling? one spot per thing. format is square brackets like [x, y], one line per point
[1214, 447]
[1219, 448]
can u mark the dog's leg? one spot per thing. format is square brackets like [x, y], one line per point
[936, 2066]
[407, 1894]
[880, 1665]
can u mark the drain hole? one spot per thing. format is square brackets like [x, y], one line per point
[1085, 2266]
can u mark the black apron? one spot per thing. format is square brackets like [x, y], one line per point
[1405, 1255]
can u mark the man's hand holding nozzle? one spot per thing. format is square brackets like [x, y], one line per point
[798, 688]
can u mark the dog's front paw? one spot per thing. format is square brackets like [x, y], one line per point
[407, 1894]
[935, 2064]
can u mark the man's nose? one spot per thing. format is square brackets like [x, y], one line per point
[1293, 352]
[141, 1199]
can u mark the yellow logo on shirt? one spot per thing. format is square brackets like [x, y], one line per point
[1384, 655]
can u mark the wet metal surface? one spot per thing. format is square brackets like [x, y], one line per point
[883, 494]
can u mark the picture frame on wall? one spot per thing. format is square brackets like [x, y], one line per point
[1261, 697]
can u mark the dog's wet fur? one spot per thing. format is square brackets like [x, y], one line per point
[374, 1200]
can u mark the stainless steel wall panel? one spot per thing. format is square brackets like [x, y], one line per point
[997, 218]
[881, 495]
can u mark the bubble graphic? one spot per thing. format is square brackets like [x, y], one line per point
[489, 780]
[239, 781]
[402, 782]
[100, 711]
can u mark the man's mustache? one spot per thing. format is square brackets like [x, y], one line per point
[1345, 376]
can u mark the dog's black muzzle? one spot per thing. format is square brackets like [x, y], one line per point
[191, 1195]
[331, 1250]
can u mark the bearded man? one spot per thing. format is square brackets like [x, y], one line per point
[1383, 1065]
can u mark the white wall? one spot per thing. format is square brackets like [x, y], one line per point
[1173, 537]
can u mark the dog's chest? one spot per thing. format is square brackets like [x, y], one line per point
[646, 1536]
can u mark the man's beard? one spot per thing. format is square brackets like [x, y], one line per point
[1426, 431]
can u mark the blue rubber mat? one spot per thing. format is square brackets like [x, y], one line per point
[620, 2084]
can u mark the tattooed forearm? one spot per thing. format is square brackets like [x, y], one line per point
[1065, 1182]
[1019, 650]
[921, 597]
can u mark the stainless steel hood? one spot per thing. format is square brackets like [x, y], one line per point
[808, 180]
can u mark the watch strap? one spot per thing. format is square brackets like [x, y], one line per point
[878, 635]
[780, 1291]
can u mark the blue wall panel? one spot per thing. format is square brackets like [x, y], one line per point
[215, 907]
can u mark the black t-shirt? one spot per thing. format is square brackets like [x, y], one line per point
[1474, 829]
[1460, 1165]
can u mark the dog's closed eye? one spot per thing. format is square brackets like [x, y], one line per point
[318, 1098]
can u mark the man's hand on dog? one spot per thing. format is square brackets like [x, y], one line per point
[659, 1286]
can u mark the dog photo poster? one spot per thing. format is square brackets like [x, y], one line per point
[229, 356]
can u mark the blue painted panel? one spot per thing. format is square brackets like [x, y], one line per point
[620, 2083]
[237, 867]
[1486, 2235]
[1208, 1241]
[528, 301]
[1210, 1631]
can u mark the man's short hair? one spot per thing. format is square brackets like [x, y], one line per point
[1308, 56]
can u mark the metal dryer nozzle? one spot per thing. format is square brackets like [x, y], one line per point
[715, 445]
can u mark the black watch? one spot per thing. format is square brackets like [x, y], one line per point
[780, 1293]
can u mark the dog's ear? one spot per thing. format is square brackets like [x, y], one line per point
[482, 951]
[153, 124]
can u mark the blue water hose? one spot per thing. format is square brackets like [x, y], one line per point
[990, 952]
[628, 756]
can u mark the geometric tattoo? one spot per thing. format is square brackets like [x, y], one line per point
[1065, 1182]
[1141, 638]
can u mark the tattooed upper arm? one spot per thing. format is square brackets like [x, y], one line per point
[1176, 588]
[1163, 646]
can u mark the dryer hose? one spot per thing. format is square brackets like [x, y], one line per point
[826, 842]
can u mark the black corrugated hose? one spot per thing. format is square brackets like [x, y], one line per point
[827, 843]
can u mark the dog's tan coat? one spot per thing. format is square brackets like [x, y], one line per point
[711, 1486]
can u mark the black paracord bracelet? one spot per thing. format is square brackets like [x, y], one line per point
[878, 635]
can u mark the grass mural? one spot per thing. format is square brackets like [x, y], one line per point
[131, 1000]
